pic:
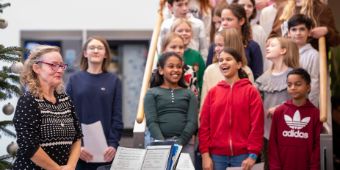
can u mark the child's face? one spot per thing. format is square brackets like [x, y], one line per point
[297, 87]
[95, 52]
[184, 30]
[172, 71]
[248, 7]
[299, 34]
[229, 20]
[274, 49]
[176, 45]
[219, 44]
[217, 22]
[228, 65]
[179, 8]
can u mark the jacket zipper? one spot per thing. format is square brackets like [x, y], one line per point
[230, 141]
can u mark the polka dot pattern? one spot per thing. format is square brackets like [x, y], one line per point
[51, 126]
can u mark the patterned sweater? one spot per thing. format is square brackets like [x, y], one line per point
[52, 126]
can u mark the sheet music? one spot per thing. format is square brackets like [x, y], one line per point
[156, 157]
[128, 159]
[94, 140]
[185, 162]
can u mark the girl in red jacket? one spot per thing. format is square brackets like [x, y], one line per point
[294, 142]
[231, 130]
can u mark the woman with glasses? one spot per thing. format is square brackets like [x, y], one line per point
[96, 94]
[48, 130]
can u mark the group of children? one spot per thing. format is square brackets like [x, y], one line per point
[244, 111]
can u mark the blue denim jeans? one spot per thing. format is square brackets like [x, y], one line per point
[222, 162]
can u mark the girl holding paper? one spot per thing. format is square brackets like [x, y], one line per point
[96, 94]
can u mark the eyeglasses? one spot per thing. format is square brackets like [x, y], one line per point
[54, 67]
[99, 48]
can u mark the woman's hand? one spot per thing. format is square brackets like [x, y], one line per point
[207, 163]
[318, 32]
[109, 153]
[85, 155]
[67, 167]
[248, 163]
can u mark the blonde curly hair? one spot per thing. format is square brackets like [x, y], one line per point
[29, 78]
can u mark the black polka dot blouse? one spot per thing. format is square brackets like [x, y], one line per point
[40, 123]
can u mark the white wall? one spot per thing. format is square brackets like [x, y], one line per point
[66, 15]
[76, 15]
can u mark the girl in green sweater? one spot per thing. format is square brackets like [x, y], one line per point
[192, 58]
[170, 108]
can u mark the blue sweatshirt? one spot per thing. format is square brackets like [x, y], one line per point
[98, 97]
[254, 58]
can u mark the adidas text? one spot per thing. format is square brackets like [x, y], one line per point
[295, 134]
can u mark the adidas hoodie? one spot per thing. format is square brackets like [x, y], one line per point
[232, 120]
[294, 142]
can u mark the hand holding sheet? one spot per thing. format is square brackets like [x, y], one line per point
[94, 140]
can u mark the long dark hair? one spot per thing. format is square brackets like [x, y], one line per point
[253, 15]
[237, 56]
[157, 79]
[240, 13]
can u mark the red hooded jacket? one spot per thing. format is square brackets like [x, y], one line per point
[232, 120]
[294, 142]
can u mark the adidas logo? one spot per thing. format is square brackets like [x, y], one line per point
[297, 124]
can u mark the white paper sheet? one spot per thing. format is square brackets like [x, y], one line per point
[128, 159]
[94, 140]
[259, 166]
[184, 162]
[156, 157]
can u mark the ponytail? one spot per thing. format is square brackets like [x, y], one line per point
[156, 78]
[242, 74]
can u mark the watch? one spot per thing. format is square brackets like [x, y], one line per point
[252, 156]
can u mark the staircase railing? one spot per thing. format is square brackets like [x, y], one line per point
[139, 127]
[323, 80]
[149, 63]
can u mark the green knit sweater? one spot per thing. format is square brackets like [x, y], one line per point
[170, 113]
[192, 57]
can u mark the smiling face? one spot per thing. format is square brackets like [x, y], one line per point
[95, 52]
[228, 65]
[171, 72]
[297, 87]
[46, 69]
[184, 30]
